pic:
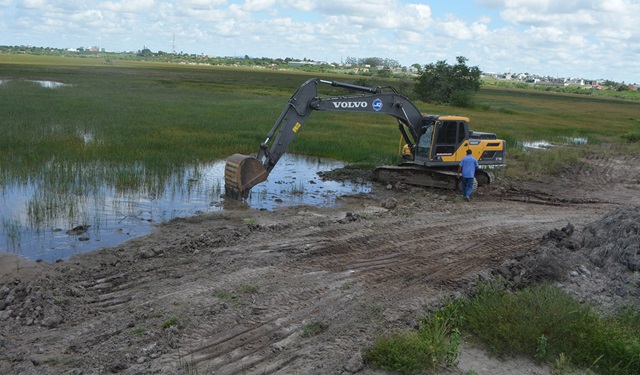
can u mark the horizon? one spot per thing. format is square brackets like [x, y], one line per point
[100, 49]
[568, 38]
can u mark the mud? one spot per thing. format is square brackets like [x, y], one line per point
[236, 292]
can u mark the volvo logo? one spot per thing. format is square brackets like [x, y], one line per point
[350, 104]
[377, 104]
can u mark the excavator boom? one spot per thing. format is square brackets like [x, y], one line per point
[434, 143]
[242, 172]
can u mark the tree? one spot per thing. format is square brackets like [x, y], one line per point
[623, 87]
[146, 52]
[451, 84]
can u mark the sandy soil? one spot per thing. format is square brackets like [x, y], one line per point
[236, 292]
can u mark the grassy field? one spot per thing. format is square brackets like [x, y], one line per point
[135, 121]
[164, 115]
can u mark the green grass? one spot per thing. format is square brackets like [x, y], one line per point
[163, 115]
[313, 329]
[224, 295]
[249, 288]
[540, 321]
[170, 322]
[435, 344]
[544, 322]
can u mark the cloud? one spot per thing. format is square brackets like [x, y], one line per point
[258, 5]
[532, 35]
[128, 6]
[31, 4]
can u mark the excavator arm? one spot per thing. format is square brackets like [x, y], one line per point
[242, 172]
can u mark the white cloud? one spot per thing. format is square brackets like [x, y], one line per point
[531, 35]
[258, 5]
[31, 4]
[301, 5]
[136, 6]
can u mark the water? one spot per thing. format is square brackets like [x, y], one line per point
[114, 216]
[49, 84]
[44, 84]
[544, 145]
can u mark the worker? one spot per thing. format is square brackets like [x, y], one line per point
[467, 169]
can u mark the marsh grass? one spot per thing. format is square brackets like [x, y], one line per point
[133, 125]
[11, 228]
[165, 115]
[551, 162]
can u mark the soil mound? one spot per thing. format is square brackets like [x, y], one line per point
[598, 264]
[615, 239]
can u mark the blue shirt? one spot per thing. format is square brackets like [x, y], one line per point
[469, 165]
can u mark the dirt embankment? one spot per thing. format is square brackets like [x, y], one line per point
[303, 290]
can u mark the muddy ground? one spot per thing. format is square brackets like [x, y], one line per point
[304, 290]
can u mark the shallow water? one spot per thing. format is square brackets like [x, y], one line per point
[544, 145]
[114, 217]
[49, 84]
[44, 84]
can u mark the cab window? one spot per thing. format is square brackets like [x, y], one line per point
[424, 143]
[450, 135]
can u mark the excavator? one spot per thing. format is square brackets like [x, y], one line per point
[434, 144]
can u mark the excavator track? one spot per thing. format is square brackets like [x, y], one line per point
[484, 177]
[429, 177]
[417, 175]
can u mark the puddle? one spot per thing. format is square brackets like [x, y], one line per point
[114, 216]
[545, 145]
[45, 84]
[49, 84]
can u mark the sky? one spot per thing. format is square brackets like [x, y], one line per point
[591, 39]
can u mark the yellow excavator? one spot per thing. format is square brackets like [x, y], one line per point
[434, 144]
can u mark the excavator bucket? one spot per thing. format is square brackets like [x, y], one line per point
[241, 173]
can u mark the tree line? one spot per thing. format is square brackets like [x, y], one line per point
[437, 82]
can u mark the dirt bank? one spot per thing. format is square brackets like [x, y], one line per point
[239, 292]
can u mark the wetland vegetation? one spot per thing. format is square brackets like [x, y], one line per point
[134, 126]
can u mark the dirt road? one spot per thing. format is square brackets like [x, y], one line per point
[297, 290]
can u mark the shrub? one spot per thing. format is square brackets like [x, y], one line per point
[434, 344]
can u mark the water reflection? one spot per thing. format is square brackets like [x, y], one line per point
[44, 84]
[115, 204]
[49, 84]
[544, 145]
